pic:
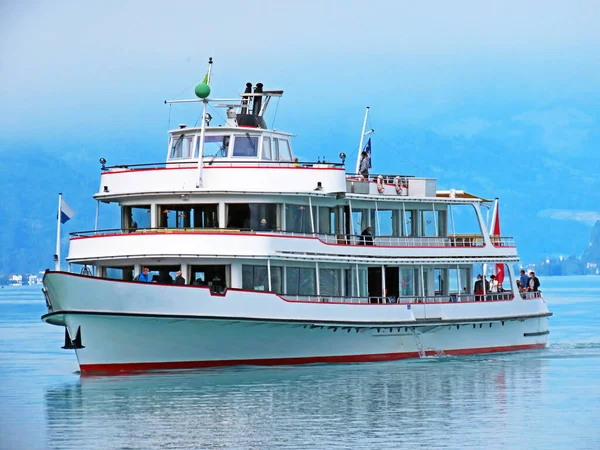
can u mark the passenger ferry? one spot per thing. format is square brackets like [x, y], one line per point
[276, 265]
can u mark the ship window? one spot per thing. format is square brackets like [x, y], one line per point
[245, 145]
[330, 282]
[407, 282]
[252, 216]
[275, 149]
[181, 146]
[266, 149]
[209, 275]
[254, 278]
[327, 220]
[284, 150]
[119, 273]
[205, 216]
[297, 218]
[300, 281]
[214, 146]
[134, 217]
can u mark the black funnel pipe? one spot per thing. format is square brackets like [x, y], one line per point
[257, 100]
[246, 100]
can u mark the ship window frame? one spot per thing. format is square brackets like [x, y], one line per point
[246, 136]
[285, 149]
[222, 152]
[177, 144]
[266, 141]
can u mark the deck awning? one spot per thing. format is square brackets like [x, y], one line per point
[460, 194]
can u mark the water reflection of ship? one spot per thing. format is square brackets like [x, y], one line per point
[245, 406]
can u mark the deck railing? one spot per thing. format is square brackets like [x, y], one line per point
[344, 239]
[531, 295]
[220, 163]
[415, 299]
[503, 241]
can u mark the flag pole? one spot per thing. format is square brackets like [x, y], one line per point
[57, 254]
[206, 81]
[362, 138]
[494, 215]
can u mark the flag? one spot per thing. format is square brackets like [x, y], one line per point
[66, 212]
[495, 231]
[205, 81]
[368, 150]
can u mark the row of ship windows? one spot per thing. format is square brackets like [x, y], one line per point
[302, 281]
[300, 219]
[187, 146]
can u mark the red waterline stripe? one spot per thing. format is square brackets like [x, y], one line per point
[132, 367]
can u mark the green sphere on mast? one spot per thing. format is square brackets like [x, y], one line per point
[202, 90]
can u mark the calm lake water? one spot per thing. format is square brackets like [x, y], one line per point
[535, 400]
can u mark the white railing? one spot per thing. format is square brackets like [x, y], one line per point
[503, 241]
[402, 241]
[531, 295]
[450, 298]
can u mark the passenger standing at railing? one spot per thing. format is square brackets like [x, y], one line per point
[132, 225]
[367, 237]
[524, 279]
[144, 276]
[533, 283]
[493, 284]
[363, 167]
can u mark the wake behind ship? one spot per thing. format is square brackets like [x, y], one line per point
[234, 252]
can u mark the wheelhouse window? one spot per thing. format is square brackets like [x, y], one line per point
[285, 153]
[266, 149]
[181, 146]
[245, 145]
[214, 146]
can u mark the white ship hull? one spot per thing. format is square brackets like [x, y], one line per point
[133, 326]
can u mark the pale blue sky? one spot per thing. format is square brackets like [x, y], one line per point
[501, 98]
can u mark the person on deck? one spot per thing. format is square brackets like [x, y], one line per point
[493, 284]
[179, 279]
[143, 276]
[533, 283]
[367, 237]
[363, 167]
[523, 279]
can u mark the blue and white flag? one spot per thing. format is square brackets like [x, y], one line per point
[368, 150]
[66, 212]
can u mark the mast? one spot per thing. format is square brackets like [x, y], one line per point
[57, 254]
[362, 138]
[203, 91]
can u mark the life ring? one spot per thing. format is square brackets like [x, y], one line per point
[398, 184]
[380, 187]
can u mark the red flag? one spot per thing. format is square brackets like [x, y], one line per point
[500, 273]
[499, 269]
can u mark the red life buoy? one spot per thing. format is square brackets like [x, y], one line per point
[398, 184]
[380, 187]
